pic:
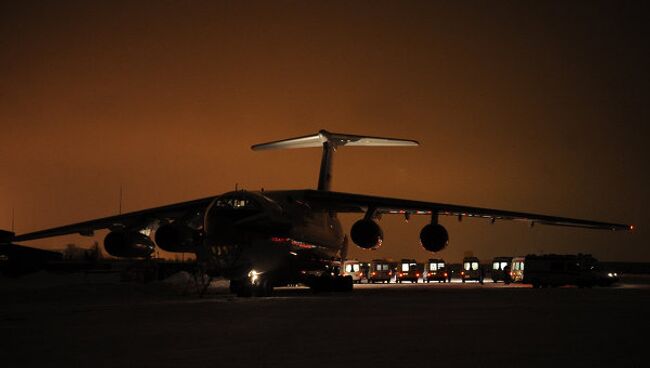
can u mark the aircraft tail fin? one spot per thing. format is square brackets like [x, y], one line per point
[330, 142]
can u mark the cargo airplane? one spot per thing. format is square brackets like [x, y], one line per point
[262, 239]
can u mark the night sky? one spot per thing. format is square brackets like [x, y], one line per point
[529, 106]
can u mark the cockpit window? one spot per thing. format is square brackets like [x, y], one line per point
[235, 203]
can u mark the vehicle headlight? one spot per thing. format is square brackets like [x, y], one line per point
[610, 274]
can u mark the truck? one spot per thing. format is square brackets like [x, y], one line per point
[381, 270]
[471, 270]
[409, 270]
[501, 269]
[436, 270]
[353, 269]
[517, 269]
[581, 270]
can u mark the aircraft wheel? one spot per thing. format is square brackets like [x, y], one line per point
[344, 283]
[264, 288]
[321, 283]
[241, 288]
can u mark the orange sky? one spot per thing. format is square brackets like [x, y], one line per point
[530, 107]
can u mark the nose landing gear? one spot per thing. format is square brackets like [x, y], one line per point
[255, 285]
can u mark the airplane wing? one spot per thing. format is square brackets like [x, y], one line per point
[348, 202]
[138, 220]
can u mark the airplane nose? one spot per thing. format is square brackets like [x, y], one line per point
[225, 215]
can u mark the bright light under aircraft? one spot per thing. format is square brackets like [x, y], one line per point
[260, 240]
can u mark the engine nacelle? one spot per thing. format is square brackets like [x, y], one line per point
[128, 244]
[177, 238]
[434, 237]
[367, 234]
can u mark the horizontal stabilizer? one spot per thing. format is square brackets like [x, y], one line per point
[336, 139]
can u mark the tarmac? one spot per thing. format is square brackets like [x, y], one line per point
[81, 321]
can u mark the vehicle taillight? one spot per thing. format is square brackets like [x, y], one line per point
[462, 272]
[417, 275]
[390, 273]
[374, 273]
[445, 274]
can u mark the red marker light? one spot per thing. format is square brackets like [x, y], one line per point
[631, 227]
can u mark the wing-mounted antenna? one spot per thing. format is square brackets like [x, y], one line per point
[330, 142]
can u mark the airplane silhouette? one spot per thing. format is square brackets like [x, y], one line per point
[262, 239]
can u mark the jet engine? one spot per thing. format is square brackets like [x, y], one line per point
[434, 237]
[128, 244]
[367, 234]
[177, 237]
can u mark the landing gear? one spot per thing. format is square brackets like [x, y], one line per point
[255, 285]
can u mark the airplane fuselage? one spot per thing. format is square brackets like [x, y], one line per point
[268, 232]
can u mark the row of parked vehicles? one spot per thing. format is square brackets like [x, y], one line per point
[537, 270]
[386, 271]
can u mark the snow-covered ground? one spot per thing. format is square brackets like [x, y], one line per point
[69, 320]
